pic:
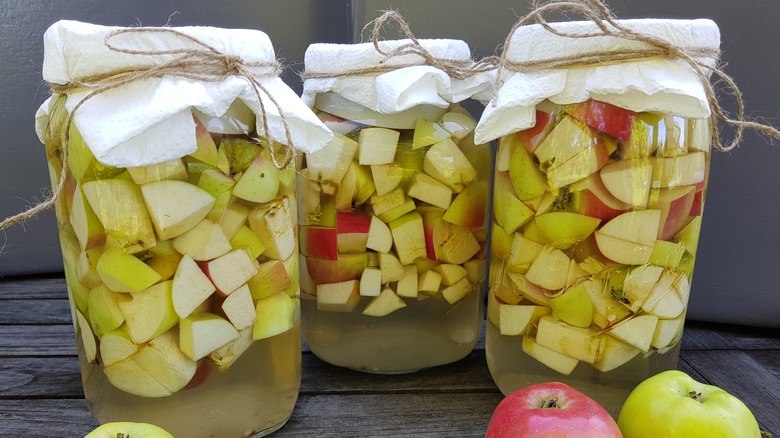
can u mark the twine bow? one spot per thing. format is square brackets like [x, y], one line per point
[608, 25]
[203, 63]
[455, 68]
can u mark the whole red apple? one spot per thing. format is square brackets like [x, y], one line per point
[551, 410]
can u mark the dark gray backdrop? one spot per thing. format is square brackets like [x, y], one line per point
[736, 272]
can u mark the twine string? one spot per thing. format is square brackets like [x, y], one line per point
[203, 63]
[455, 68]
[608, 25]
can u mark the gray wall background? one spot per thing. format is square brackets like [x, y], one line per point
[736, 272]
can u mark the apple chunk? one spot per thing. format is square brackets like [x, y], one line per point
[202, 333]
[338, 297]
[125, 272]
[275, 314]
[175, 206]
[387, 302]
[120, 207]
[149, 313]
[190, 288]
[231, 270]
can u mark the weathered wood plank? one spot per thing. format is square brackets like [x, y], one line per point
[27, 288]
[35, 311]
[350, 415]
[708, 336]
[37, 340]
[45, 418]
[740, 374]
[51, 377]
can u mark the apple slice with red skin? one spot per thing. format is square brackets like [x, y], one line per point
[591, 198]
[319, 242]
[607, 118]
[548, 410]
[347, 267]
[352, 231]
[532, 136]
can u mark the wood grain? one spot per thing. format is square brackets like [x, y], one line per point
[41, 395]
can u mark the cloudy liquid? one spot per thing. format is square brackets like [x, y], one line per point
[254, 397]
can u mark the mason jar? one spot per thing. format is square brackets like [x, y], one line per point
[600, 181]
[176, 220]
[393, 212]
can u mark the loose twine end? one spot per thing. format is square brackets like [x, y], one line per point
[199, 62]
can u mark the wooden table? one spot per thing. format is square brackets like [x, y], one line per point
[41, 395]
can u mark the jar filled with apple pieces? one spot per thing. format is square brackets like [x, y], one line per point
[393, 211]
[175, 201]
[600, 180]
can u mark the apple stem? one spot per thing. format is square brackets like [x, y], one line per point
[695, 395]
[551, 403]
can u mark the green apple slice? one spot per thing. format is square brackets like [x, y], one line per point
[124, 272]
[149, 313]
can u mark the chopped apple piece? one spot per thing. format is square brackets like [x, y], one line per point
[407, 285]
[679, 171]
[458, 291]
[514, 320]
[511, 213]
[429, 281]
[377, 145]
[563, 229]
[202, 333]
[408, 238]
[386, 177]
[274, 225]
[328, 166]
[629, 181]
[352, 232]
[272, 276]
[275, 315]
[445, 162]
[338, 297]
[637, 331]
[387, 302]
[239, 308]
[380, 238]
[550, 269]
[104, 311]
[427, 133]
[614, 353]
[669, 296]
[87, 337]
[124, 272]
[667, 254]
[246, 239]
[579, 343]
[260, 182]
[468, 207]
[370, 282]
[428, 189]
[116, 345]
[120, 207]
[191, 287]
[453, 243]
[639, 283]
[667, 331]
[553, 359]
[205, 241]
[226, 355]
[347, 267]
[391, 267]
[450, 273]
[320, 242]
[528, 181]
[173, 169]
[149, 313]
[573, 306]
[86, 224]
[231, 270]
[175, 206]
[623, 251]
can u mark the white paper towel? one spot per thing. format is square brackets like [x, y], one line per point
[150, 120]
[396, 90]
[664, 85]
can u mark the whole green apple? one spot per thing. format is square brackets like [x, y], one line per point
[122, 429]
[671, 404]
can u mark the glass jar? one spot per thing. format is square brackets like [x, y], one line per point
[393, 217]
[182, 270]
[596, 217]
